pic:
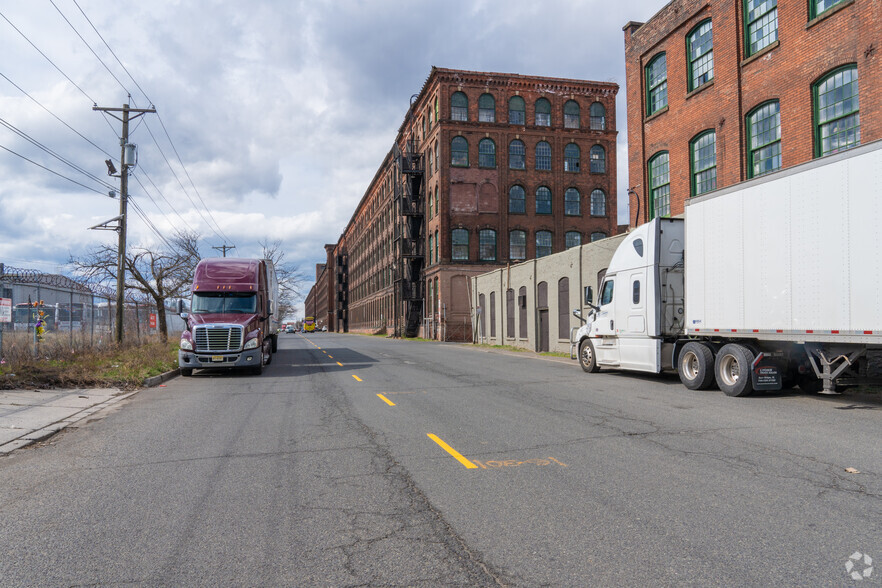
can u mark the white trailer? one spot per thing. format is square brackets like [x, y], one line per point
[763, 285]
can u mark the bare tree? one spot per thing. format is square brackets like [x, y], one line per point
[158, 274]
[291, 279]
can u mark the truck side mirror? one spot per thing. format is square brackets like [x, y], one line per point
[270, 307]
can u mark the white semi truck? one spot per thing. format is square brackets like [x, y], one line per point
[769, 283]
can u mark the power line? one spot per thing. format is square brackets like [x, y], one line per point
[111, 51]
[155, 187]
[52, 171]
[73, 28]
[89, 141]
[181, 184]
[52, 63]
[36, 143]
[161, 122]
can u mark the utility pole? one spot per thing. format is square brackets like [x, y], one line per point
[123, 205]
[224, 248]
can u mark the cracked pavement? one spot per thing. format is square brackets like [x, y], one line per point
[303, 477]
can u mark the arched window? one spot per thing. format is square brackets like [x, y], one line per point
[517, 155]
[572, 156]
[543, 155]
[517, 200]
[486, 108]
[486, 153]
[659, 186]
[460, 242]
[543, 200]
[818, 7]
[437, 246]
[431, 247]
[517, 244]
[522, 312]
[573, 239]
[571, 115]
[543, 243]
[764, 139]
[459, 106]
[838, 125]
[703, 160]
[517, 111]
[598, 159]
[598, 117]
[487, 245]
[459, 152]
[700, 48]
[761, 24]
[597, 236]
[598, 203]
[572, 202]
[656, 84]
[543, 113]
[430, 207]
[437, 208]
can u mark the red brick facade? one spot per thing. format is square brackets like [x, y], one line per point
[472, 194]
[807, 49]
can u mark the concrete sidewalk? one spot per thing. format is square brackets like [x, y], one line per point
[28, 416]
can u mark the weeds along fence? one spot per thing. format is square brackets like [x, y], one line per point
[74, 315]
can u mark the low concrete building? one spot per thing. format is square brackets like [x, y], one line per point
[530, 304]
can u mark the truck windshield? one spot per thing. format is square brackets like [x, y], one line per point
[224, 302]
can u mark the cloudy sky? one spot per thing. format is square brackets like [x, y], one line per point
[273, 116]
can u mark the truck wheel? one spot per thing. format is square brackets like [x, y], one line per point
[732, 370]
[696, 366]
[275, 343]
[186, 372]
[587, 359]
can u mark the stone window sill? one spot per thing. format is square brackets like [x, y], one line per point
[828, 13]
[700, 89]
[761, 52]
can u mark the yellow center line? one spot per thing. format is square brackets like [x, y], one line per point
[356, 378]
[469, 465]
[330, 356]
[340, 364]
[386, 400]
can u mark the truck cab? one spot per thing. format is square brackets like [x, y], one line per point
[640, 310]
[231, 321]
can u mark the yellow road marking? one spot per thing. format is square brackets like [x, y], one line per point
[340, 364]
[386, 400]
[330, 356]
[452, 451]
[356, 377]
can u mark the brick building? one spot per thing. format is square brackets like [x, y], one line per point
[487, 169]
[721, 92]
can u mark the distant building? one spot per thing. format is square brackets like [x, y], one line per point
[721, 92]
[488, 169]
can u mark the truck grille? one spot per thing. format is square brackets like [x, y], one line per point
[218, 338]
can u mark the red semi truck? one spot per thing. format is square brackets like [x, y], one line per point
[233, 320]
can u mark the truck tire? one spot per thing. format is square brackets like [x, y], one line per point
[275, 342]
[186, 372]
[732, 370]
[587, 358]
[696, 366]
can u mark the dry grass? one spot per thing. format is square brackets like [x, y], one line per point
[58, 365]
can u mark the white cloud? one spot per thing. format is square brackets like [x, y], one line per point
[281, 111]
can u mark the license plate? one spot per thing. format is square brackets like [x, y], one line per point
[217, 358]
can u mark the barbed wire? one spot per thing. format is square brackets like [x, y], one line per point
[33, 276]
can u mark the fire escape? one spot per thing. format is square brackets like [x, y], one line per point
[342, 292]
[410, 235]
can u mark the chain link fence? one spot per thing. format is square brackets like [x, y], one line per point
[53, 314]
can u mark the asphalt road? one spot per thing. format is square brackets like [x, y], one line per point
[363, 461]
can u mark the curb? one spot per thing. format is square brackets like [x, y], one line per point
[157, 380]
[51, 429]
